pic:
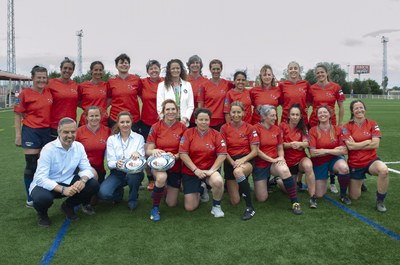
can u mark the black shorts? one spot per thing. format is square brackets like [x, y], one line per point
[228, 168]
[141, 128]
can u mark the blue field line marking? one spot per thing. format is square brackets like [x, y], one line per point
[364, 219]
[60, 236]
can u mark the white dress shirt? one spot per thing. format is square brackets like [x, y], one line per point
[57, 165]
[117, 148]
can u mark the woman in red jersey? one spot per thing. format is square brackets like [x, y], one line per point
[65, 95]
[362, 137]
[270, 160]
[294, 90]
[242, 144]
[196, 79]
[94, 137]
[202, 151]
[266, 93]
[124, 89]
[93, 93]
[212, 94]
[149, 114]
[164, 137]
[239, 93]
[295, 141]
[327, 151]
[32, 123]
[325, 92]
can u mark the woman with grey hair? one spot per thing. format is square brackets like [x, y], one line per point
[270, 160]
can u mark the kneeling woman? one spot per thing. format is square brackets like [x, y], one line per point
[362, 137]
[164, 137]
[242, 144]
[123, 144]
[327, 154]
[295, 141]
[270, 160]
[202, 151]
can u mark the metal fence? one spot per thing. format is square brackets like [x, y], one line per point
[368, 96]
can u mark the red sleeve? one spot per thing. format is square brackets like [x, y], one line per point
[184, 145]
[220, 144]
[227, 102]
[376, 132]
[313, 139]
[253, 136]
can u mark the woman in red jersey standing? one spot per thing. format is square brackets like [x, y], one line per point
[294, 90]
[32, 123]
[93, 135]
[295, 141]
[65, 95]
[196, 79]
[164, 137]
[266, 93]
[242, 145]
[327, 151]
[124, 89]
[212, 94]
[93, 93]
[239, 93]
[271, 160]
[362, 137]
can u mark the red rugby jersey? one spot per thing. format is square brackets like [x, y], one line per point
[35, 107]
[294, 93]
[149, 101]
[213, 96]
[65, 100]
[325, 141]
[293, 156]
[167, 138]
[124, 96]
[203, 149]
[95, 144]
[328, 96]
[262, 96]
[270, 139]
[368, 130]
[243, 97]
[90, 94]
[239, 140]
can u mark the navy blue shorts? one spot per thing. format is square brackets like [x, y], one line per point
[360, 173]
[141, 128]
[261, 173]
[34, 138]
[294, 169]
[321, 171]
[191, 184]
[174, 179]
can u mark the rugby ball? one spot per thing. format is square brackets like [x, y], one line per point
[132, 166]
[161, 163]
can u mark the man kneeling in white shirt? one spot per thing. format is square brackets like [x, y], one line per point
[55, 176]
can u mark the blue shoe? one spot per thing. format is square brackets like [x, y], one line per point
[155, 214]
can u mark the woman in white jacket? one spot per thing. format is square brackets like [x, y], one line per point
[176, 88]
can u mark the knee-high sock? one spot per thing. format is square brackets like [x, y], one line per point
[344, 180]
[290, 187]
[157, 195]
[30, 169]
[244, 190]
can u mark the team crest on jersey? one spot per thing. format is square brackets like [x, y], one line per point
[301, 90]
[340, 92]
[211, 147]
[17, 101]
[329, 95]
[176, 136]
[102, 92]
[255, 133]
[74, 91]
[223, 143]
[130, 87]
[103, 141]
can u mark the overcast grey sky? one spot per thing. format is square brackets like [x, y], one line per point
[243, 34]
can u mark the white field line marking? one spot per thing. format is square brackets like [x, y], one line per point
[394, 171]
[395, 162]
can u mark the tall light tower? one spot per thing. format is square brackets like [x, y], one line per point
[11, 62]
[384, 41]
[79, 34]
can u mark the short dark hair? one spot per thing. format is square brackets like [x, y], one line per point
[151, 63]
[202, 110]
[38, 69]
[122, 57]
[94, 63]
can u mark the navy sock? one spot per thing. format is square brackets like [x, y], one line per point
[244, 190]
[380, 196]
[216, 203]
[290, 187]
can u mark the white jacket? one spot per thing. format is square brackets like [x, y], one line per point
[187, 101]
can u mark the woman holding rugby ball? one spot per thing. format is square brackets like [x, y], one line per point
[164, 138]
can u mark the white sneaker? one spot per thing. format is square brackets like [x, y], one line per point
[29, 204]
[204, 196]
[333, 188]
[217, 211]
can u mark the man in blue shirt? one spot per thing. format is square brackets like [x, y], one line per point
[56, 176]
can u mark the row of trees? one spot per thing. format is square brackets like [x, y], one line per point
[336, 74]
